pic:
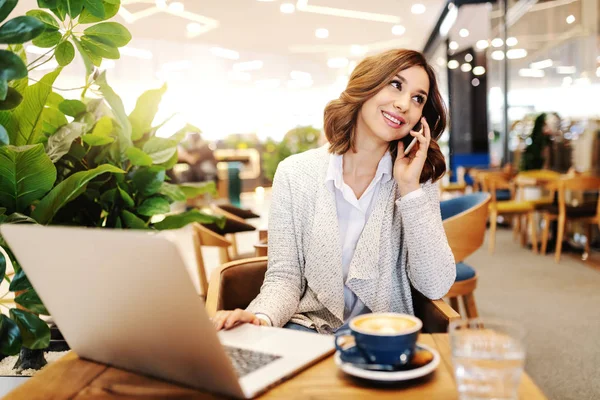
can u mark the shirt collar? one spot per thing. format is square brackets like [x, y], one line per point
[335, 172]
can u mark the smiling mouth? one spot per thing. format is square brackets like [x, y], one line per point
[393, 119]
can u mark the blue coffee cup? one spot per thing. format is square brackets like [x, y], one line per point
[380, 338]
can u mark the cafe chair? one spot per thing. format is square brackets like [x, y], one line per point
[238, 212]
[236, 284]
[233, 225]
[587, 212]
[464, 220]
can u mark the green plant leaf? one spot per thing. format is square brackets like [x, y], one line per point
[32, 302]
[52, 119]
[10, 337]
[110, 10]
[4, 140]
[72, 107]
[87, 60]
[116, 104]
[17, 218]
[160, 149]
[198, 189]
[172, 191]
[47, 3]
[148, 180]
[20, 30]
[100, 47]
[74, 7]
[60, 12]
[11, 66]
[180, 220]
[34, 332]
[60, 143]
[2, 261]
[104, 126]
[132, 221]
[153, 206]
[116, 33]
[95, 7]
[26, 119]
[19, 84]
[144, 112]
[54, 100]
[6, 6]
[65, 53]
[46, 18]
[12, 100]
[66, 191]
[97, 140]
[170, 163]
[138, 157]
[26, 174]
[3, 90]
[47, 39]
[20, 282]
[126, 197]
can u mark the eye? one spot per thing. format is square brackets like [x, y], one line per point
[397, 84]
[420, 99]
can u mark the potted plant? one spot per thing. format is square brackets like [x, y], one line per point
[75, 162]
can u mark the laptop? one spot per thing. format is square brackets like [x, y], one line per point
[126, 298]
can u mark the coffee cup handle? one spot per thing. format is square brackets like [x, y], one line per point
[352, 354]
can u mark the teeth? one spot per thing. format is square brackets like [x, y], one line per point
[388, 116]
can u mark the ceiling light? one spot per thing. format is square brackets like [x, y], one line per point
[531, 73]
[300, 76]
[133, 52]
[511, 41]
[248, 66]
[338, 62]
[566, 70]
[475, 82]
[268, 83]
[240, 76]
[225, 53]
[482, 44]
[497, 42]
[162, 4]
[194, 28]
[541, 64]
[176, 7]
[449, 20]
[515, 54]
[358, 50]
[453, 64]
[570, 19]
[498, 55]
[468, 57]
[466, 67]
[479, 70]
[322, 33]
[398, 30]
[453, 45]
[287, 8]
[418, 8]
[463, 32]
[441, 62]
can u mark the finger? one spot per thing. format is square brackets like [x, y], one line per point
[238, 316]
[400, 150]
[219, 319]
[426, 129]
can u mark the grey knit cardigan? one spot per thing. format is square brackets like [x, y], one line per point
[403, 243]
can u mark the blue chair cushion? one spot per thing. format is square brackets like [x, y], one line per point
[464, 272]
[502, 195]
[457, 205]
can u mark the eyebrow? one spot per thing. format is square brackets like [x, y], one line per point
[403, 80]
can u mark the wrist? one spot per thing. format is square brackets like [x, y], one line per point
[406, 188]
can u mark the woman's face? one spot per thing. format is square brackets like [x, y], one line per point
[397, 108]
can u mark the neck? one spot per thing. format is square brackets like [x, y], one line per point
[369, 151]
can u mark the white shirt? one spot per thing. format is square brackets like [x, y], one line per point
[353, 215]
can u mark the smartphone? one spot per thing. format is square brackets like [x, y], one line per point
[412, 143]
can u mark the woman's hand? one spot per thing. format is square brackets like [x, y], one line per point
[407, 168]
[230, 319]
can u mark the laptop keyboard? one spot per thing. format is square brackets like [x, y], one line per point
[246, 361]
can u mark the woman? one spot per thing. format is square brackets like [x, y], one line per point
[355, 223]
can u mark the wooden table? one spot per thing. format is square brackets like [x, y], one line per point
[74, 378]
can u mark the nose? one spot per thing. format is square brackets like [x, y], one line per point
[401, 102]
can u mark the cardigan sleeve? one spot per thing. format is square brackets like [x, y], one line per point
[431, 267]
[280, 293]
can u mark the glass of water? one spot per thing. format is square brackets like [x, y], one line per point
[488, 357]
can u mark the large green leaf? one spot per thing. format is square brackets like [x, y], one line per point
[138, 157]
[60, 143]
[97, 140]
[26, 119]
[197, 189]
[11, 66]
[20, 84]
[126, 197]
[116, 33]
[74, 7]
[4, 140]
[26, 174]
[20, 30]
[10, 337]
[100, 47]
[180, 220]
[72, 107]
[95, 7]
[116, 104]
[148, 180]
[104, 126]
[65, 53]
[31, 301]
[2, 264]
[47, 39]
[17, 218]
[160, 149]
[66, 191]
[153, 206]
[6, 6]
[34, 332]
[52, 119]
[47, 3]
[12, 100]
[87, 61]
[132, 221]
[144, 112]
[49, 21]
[172, 191]
[19, 282]
[54, 100]
[110, 10]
